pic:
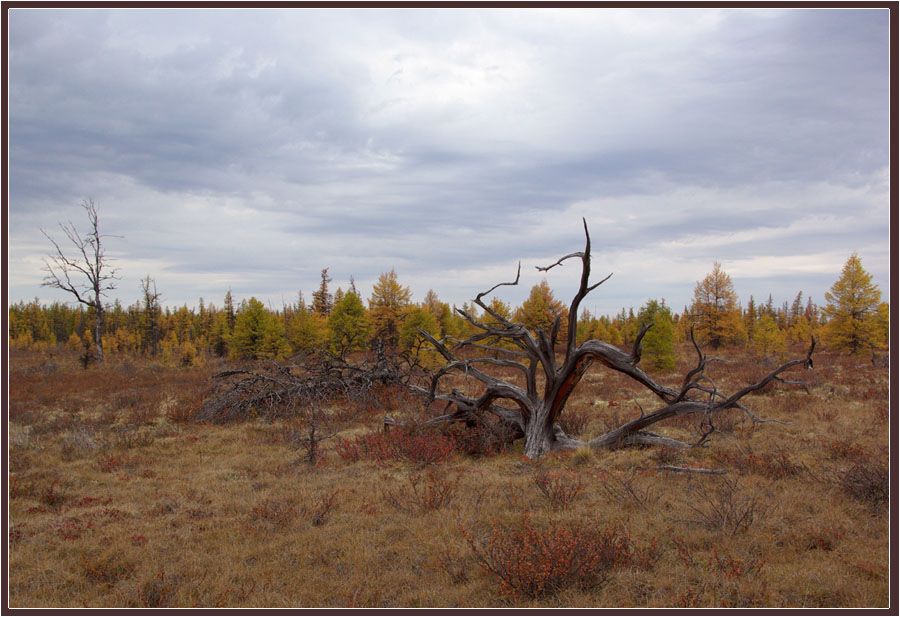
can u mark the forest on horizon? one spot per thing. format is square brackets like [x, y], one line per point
[855, 319]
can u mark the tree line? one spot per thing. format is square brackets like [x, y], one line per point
[343, 322]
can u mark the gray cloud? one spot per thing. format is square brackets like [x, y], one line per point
[252, 148]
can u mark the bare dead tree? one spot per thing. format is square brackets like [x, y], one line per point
[87, 276]
[535, 413]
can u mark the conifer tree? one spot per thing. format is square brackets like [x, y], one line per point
[387, 307]
[306, 329]
[796, 308]
[768, 339]
[416, 318]
[541, 309]
[348, 328]
[715, 309]
[883, 323]
[658, 342]
[250, 326]
[750, 318]
[852, 302]
[322, 301]
[273, 344]
[229, 312]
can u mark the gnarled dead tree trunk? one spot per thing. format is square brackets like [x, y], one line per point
[535, 413]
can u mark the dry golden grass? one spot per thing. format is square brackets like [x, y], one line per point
[116, 501]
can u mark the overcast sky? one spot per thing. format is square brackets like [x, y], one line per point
[249, 149]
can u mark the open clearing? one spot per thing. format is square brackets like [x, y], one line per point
[117, 498]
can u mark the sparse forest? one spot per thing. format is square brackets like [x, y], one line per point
[363, 449]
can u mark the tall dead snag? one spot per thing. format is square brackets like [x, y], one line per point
[89, 268]
[536, 413]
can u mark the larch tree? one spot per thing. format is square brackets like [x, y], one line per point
[250, 327]
[230, 315]
[750, 318]
[387, 307]
[532, 407]
[151, 326]
[306, 329]
[768, 339]
[322, 300]
[659, 341]
[541, 309]
[348, 328]
[415, 320]
[852, 303]
[715, 310]
[87, 275]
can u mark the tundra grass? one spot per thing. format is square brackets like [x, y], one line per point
[117, 499]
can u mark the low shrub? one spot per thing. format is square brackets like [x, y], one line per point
[775, 465]
[535, 562]
[273, 513]
[426, 492]
[723, 506]
[560, 488]
[484, 437]
[157, 591]
[323, 507]
[401, 443]
[868, 481]
[106, 569]
[574, 421]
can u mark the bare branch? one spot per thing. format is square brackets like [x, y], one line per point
[691, 469]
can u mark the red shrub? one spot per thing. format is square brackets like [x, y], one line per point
[113, 462]
[731, 567]
[402, 443]
[348, 449]
[560, 488]
[437, 490]
[536, 562]
[485, 437]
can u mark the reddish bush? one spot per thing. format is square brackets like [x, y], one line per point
[323, 508]
[71, 527]
[348, 449]
[430, 492]
[51, 495]
[401, 443]
[107, 570]
[840, 448]
[485, 437]
[561, 488]
[417, 443]
[272, 512]
[113, 462]
[536, 562]
[775, 465]
[732, 567]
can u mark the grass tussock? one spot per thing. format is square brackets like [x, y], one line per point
[117, 498]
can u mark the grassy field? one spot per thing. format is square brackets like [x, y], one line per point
[118, 499]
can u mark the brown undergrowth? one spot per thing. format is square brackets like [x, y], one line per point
[117, 499]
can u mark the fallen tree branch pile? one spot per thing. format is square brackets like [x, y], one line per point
[296, 389]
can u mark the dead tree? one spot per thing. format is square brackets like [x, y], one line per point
[534, 410]
[89, 268]
[299, 389]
